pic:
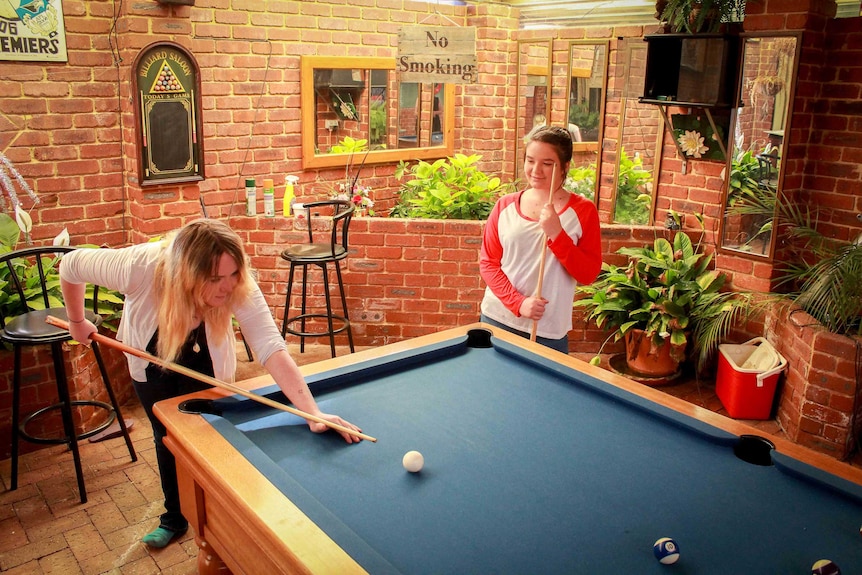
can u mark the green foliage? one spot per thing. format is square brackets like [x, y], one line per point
[350, 146]
[349, 187]
[581, 180]
[669, 291]
[824, 274]
[633, 199]
[832, 290]
[746, 193]
[452, 188]
[377, 122]
[110, 302]
[744, 170]
[581, 116]
[748, 196]
[699, 16]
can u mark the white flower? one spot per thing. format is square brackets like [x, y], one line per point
[691, 143]
[62, 238]
[25, 222]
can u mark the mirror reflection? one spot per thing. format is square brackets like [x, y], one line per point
[587, 86]
[639, 145]
[534, 93]
[415, 128]
[361, 98]
[755, 167]
[350, 102]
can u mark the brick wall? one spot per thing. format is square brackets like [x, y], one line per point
[38, 390]
[410, 277]
[70, 127]
[70, 130]
[817, 401]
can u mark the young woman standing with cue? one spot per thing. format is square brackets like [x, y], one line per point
[180, 297]
[520, 227]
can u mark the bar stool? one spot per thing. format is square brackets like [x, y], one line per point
[320, 254]
[28, 329]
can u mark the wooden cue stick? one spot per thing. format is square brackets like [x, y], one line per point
[175, 367]
[544, 249]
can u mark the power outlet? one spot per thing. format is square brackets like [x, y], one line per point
[331, 125]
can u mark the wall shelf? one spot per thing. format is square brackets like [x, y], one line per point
[722, 143]
[692, 70]
[695, 71]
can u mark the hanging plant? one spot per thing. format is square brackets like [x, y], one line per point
[698, 16]
[761, 90]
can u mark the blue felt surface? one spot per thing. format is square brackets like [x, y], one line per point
[534, 468]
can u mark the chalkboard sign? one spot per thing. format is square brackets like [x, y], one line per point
[167, 85]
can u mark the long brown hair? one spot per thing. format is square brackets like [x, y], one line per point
[189, 260]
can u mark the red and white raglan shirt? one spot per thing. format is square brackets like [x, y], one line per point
[510, 261]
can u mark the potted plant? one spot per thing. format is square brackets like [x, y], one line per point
[110, 302]
[350, 189]
[698, 16]
[665, 302]
[452, 188]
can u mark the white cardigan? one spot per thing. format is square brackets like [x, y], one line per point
[130, 271]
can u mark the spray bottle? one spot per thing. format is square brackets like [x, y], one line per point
[250, 198]
[289, 195]
[268, 198]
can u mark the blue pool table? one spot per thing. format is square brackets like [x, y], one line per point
[535, 462]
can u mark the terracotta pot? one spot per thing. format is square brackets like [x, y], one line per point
[657, 362]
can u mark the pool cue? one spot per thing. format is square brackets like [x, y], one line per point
[175, 367]
[544, 249]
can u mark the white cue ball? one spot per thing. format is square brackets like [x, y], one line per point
[413, 461]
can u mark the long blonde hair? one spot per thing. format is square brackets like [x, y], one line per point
[190, 259]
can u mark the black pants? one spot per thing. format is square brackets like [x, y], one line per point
[149, 393]
[561, 345]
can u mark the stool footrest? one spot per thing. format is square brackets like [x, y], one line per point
[112, 416]
[345, 324]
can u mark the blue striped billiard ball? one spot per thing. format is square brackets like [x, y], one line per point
[666, 551]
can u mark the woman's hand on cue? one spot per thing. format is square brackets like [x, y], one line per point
[549, 220]
[81, 331]
[533, 308]
[320, 428]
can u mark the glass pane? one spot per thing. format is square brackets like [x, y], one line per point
[533, 94]
[585, 93]
[408, 115]
[437, 116]
[421, 115]
[587, 78]
[377, 116]
[636, 152]
[341, 101]
[768, 65]
[363, 99]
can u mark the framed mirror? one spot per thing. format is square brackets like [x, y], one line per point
[588, 76]
[363, 99]
[640, 140]
[534, 93]
[755, 166]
